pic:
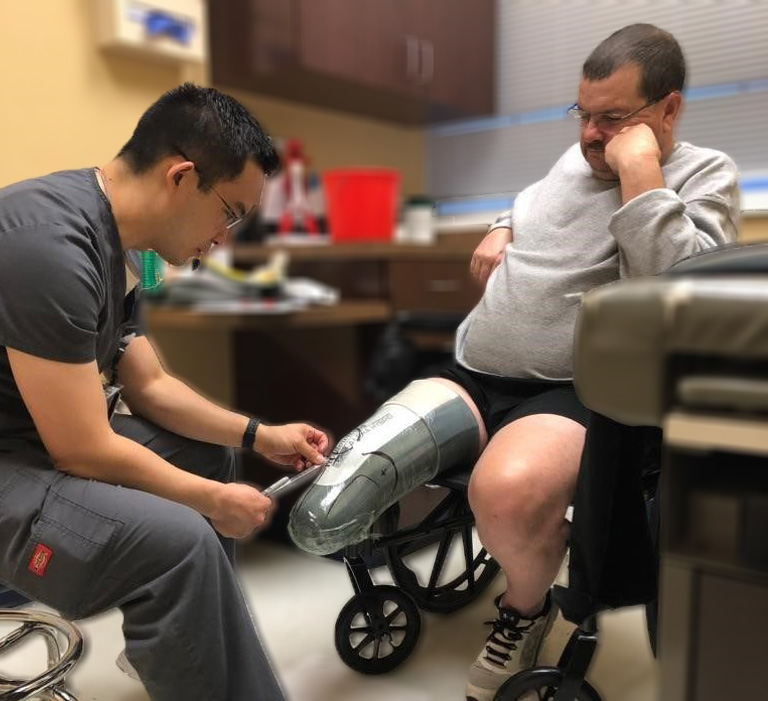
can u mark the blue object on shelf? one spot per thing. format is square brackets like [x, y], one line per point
[159, 23]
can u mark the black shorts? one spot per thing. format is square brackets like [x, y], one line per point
[502, 400]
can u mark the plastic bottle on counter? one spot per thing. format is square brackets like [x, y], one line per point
[418, 222]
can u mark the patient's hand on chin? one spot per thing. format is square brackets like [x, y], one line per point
[634, 146]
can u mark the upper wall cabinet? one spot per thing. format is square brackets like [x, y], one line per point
[408, 61]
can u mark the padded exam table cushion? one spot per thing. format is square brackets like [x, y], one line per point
[714, 304]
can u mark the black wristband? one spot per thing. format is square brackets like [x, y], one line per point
[249, 435]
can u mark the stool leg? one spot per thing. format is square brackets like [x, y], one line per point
[52, 645]
[61, 659]
[57, 694]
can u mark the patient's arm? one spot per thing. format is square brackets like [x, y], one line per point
[489, 253]
[426, 429]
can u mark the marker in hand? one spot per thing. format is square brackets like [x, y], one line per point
[288, 484]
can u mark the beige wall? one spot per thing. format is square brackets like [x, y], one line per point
[753, 228]
[335, 139]
[65, 104]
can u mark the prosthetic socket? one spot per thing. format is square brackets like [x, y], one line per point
[422, 431]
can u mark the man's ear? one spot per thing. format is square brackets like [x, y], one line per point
[673, 108]
[178, 170]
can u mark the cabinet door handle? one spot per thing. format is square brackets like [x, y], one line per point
[427, 61]
[412, 57]
[444, 285]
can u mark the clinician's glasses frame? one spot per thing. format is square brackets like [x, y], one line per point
[607, 121]
[233, 218]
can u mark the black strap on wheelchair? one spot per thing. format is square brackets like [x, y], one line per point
[613, 559]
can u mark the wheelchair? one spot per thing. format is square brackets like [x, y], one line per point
[379, 626]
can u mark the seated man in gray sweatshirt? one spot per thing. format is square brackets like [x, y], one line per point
[628, 200]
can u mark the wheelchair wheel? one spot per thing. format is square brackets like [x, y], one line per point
[541, 684]
[377, 630]
[438, 595]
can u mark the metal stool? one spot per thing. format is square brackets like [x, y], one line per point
[65, 646]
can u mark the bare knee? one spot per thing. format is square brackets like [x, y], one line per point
[515, 497]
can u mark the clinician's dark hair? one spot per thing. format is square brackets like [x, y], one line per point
[657, 53]
[212, 129]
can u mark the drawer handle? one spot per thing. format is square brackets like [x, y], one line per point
[444, 285]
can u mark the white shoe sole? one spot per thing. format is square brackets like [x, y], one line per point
[126, 667]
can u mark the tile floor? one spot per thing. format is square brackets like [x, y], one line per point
[296, 599]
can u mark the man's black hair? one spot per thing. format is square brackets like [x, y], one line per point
[212, 129]
[655, 51]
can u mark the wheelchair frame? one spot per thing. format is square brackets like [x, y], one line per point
[378, 628]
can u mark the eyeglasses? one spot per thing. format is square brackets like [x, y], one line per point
[606, 122]
[233, 218]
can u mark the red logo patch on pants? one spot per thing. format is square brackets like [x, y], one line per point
[40, 559]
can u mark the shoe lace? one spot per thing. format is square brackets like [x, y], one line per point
[506, 634]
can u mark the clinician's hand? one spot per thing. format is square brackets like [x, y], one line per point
[489, 253]
[299, 445]
[634, 146]
[238, 509]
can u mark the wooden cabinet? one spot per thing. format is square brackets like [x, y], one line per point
[456, 40]
[442, 286]
[359, 41]
[411, 61]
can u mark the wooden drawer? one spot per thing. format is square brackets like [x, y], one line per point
[354, 279]
[432, 286]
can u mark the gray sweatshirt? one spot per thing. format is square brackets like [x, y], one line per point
[571, 234]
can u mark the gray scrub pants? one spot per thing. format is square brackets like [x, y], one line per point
[83, 547]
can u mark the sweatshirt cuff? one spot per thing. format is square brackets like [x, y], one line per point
[503, 221]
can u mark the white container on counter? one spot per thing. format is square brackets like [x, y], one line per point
[418, 222]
